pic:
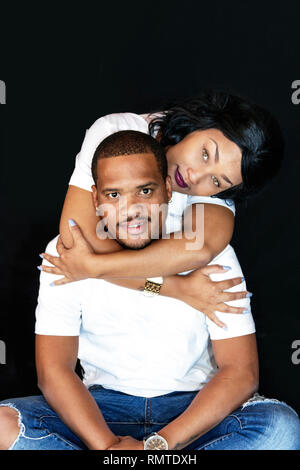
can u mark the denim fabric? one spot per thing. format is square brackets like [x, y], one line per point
[259, 424]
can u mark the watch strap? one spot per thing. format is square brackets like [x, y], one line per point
[153, 285]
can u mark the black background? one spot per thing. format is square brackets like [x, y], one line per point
[65, 69]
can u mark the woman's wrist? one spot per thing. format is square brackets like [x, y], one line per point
[94, 265]
[171, 287]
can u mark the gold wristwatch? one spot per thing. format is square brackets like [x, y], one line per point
[153, 286]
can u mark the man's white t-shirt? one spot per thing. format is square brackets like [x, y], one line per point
[135, 344]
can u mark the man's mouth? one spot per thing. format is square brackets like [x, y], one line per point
[179, 179]
[135, 227]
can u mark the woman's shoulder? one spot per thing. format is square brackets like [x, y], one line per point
[211, 200]
[122, 121]
[107, 125]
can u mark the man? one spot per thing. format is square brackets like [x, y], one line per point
[150, 365]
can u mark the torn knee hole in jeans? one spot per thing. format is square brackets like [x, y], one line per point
[20, 424]
[259, 398]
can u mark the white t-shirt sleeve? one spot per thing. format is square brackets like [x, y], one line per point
[238, 324]
[82, 174]
[211, 200]
[102, 128]
[58, 312]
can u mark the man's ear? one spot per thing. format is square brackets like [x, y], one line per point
[95, 196]
[169, 187]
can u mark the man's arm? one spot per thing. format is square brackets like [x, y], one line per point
[56, 358]
[234, 383]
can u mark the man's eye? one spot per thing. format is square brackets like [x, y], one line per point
[146, 191]
[113, 195]
[215, 181]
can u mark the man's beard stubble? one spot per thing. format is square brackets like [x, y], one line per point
[129, 247]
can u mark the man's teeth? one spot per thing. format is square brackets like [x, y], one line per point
[134, 226]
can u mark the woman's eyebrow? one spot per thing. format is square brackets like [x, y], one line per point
[227, 179]
[217, 150]
[217, 159]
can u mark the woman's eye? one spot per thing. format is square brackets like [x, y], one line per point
[205, 155]
[113, 195]
[215, 181]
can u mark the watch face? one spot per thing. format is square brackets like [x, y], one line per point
[156, 443]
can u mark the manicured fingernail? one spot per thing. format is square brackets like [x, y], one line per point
[39, 267]
[242, 279]
[52, 284]
[249, 295]
[226, 267]
[246, 311]
[72, 223]
[41, 256]
[225, 328]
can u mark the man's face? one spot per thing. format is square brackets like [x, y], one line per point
[130, 190]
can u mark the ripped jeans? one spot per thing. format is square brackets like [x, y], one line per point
[260, 424]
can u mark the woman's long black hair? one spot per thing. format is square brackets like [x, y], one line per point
[252, 128]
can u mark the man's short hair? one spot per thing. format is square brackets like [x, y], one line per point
[130, 143]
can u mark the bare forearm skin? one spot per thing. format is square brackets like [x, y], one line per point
[224, 393]
[168, 289]
[71, 400]
[161, 258]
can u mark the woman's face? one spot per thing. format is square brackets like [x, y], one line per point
[204, 163]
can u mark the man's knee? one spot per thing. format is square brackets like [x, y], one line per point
[9, 426]
[277, 424]
[286, 427]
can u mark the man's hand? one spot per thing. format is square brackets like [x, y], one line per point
[72, 263]
[199, 291]
[127, 443]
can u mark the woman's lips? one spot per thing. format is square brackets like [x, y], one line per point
[179, 179]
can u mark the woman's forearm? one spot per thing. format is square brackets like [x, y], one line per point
[163, 257]
[169, 288]
[191, 248]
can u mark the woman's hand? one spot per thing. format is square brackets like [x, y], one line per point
[127, 443]
[72, 263]
[199, 291]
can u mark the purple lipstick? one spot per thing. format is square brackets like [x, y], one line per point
[179, 179]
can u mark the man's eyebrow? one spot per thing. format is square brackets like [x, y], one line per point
[150, 183]
[141, 186]
[217, 156]
[112, 190]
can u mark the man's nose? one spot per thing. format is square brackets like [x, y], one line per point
[131, 207]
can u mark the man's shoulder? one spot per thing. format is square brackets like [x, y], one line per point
[51, 247]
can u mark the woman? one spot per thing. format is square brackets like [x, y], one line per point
[216, 145]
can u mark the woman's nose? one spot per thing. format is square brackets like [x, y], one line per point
[194, 175]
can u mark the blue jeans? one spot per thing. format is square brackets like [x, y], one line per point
[260, 424]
